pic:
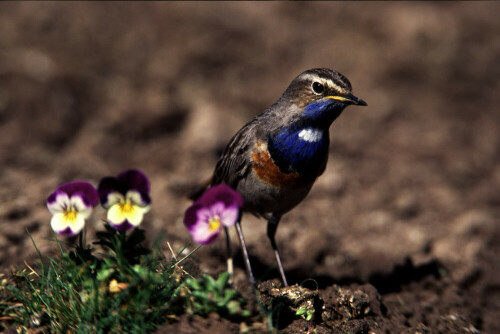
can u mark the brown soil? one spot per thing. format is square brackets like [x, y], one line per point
[405, 219]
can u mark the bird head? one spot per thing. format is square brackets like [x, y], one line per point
[318, 95]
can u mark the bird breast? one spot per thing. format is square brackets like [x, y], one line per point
[301, 150]
[268, 172]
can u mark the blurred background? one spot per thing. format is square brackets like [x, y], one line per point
[90, 89]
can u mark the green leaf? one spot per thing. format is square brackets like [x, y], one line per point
[193, 283]
[301, 311]
[200, 294]
[233, 307]
[209, 281]
[229, 294]
[103, 274]
[222, 280]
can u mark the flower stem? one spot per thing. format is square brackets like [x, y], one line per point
[119, 249]
[187, 256]
[80, 240]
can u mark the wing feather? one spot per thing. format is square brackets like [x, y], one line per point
[235, 162]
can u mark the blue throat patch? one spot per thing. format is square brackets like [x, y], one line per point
[292, 153]
[323, 112]
[302, 147]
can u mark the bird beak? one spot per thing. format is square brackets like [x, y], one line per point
[349, 99]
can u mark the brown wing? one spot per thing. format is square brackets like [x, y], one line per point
[234, 164]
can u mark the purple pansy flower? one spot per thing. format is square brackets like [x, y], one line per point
[70, 204]
[218, 206]
[126, 197]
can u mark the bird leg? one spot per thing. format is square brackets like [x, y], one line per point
[245, 252]
[229, 257]
[272, 226]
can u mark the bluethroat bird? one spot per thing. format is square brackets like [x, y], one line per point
[274, 160]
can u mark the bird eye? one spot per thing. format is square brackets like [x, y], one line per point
[317, 87]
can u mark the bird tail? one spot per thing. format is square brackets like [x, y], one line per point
[198, 190]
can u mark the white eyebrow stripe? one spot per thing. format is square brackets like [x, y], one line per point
[311, 76]
[335, 86]
[329, 82]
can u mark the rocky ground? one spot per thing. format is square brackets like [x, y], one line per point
[401, 232]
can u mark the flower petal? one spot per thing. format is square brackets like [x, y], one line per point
[133, 215]
[107, 186]
[219, 203]
[124, 182]
[217, 209]
[202, 234]
[85, 213]
[203, 215]
[135, 179]
[221, 193]
[229, 216]
[58, 201]
[136, 198]
[77, 202]
[86, 190]
[114, 198]
[191, 215]
[66, 227]
[116, 214]
[123, 226]
[58, 222]
[136, 216]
